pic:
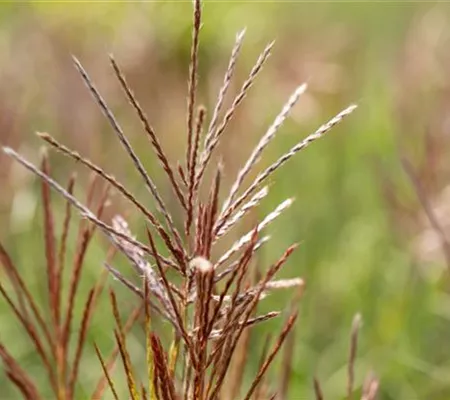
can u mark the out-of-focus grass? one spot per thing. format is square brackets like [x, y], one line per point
[355, 254]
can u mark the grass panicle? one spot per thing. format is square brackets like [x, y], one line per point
[208, 292]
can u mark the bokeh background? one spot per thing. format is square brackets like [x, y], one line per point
[366, 245]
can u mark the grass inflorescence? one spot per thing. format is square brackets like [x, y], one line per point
[212, 303]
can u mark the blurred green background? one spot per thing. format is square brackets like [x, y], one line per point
[365, 244]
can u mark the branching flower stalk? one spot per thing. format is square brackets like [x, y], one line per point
[214, 307]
